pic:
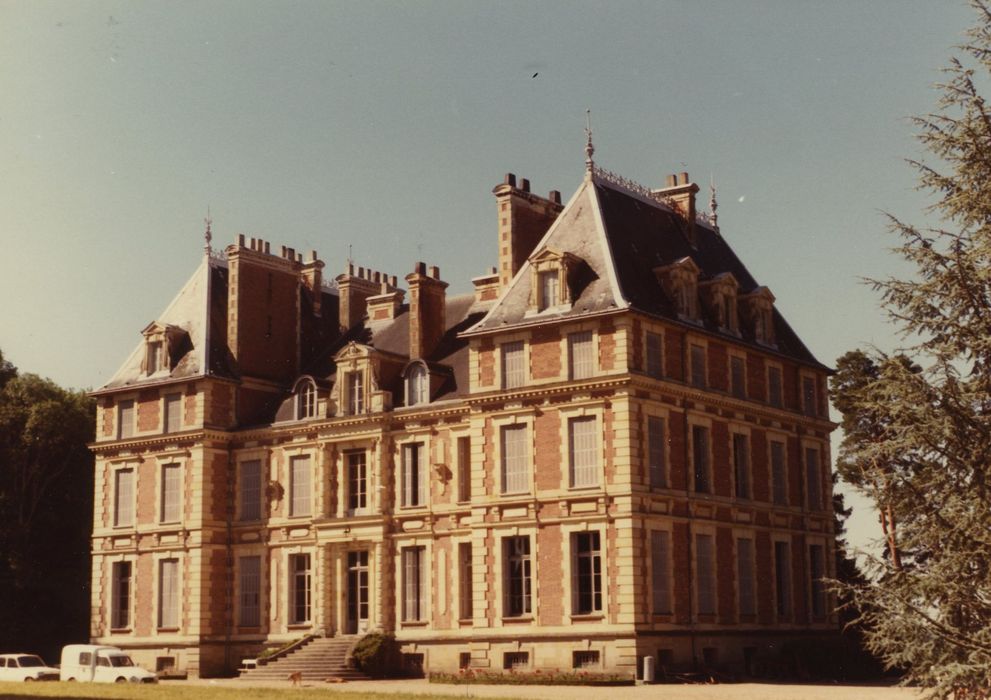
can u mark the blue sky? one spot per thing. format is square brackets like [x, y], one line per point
[384, 126]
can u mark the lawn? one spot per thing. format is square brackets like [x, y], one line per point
[168, 691]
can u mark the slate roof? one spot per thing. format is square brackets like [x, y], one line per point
[623, 236]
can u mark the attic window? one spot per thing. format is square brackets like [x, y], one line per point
[154, 358]
[719, 297]
[306, 400]
[680, 283]
[554, 280]
[759, 312]
[417, 386]
[549, 285]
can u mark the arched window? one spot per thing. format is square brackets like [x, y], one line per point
[306, 400]
[417, 386]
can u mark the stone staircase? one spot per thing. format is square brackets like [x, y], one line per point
[317, 660]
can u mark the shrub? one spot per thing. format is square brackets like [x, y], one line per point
[469, 676]
[377, 654]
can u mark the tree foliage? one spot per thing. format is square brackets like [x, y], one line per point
[918, 433]
[46, 500]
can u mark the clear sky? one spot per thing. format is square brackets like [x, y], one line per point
[384, 126]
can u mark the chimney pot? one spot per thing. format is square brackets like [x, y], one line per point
[435, 272]
[361, 272]
[510, 180]
[378, 277]
[525, 185]
[420, 268]
[240, 240]
[555, 196]
[313, 256]
[395, 282]
[267, 248]
[671, 181]
[684, 178]
[350, 269]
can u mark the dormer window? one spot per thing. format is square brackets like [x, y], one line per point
[153, 360]
[164, 346]
[555, 280]
[758, 308]
[719, 296]
[355, 388]
[306, 400]
[680, 283]
[417, 385]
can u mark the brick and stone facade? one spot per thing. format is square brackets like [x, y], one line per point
[614, 447]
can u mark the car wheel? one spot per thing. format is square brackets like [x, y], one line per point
[121, 680]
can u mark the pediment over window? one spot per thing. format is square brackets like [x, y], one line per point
[757, 309]
[719, 297]
[679, 280]
[165, 346]
[557, 279]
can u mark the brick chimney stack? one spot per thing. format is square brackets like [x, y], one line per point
[680, 192]
[523, 220]
[427, 310]
[312, 274]
[355, 287]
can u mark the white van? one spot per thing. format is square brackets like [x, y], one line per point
[102, 664]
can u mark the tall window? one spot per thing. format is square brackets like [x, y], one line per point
[741, 464]
[660, 571]
[515, 474]
[414, 475]
[516, 565]
[655, 357]
[705, 572]
[168, 594]
[120, 595]
[581, 358]
[549, 292]
[779, 479]
[171, 504]
[655, 452]
[745, 576]
[306, 401]
[809, 396]
[414, 584]
[249, 597]
[417, 391]
[817, 569]
[513, 365]
[356, 393]
[737, 377]
[173, 413]
[465, 606]
[586, 577]
[700, 458]
[582, 451]
[464, 469]
[250, 488]
[782, 577]
[812, 478]
[300, 487]
[124, 497]
[774, 394]
[357, 481]
[299, 588]
[698, 366]
[125, 419]
[154, 358]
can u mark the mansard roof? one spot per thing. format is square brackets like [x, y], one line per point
[624, 236]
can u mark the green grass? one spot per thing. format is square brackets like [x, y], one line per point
[169, 691]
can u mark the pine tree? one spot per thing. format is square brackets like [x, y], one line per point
[919, 432]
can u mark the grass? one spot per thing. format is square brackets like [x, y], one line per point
[167, 691]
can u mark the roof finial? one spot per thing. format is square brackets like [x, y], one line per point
[208, 236]
[589, 148]
[712, 202]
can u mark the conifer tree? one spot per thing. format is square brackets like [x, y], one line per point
[918, 433]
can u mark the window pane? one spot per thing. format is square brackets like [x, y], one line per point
[171, 493]
[782, 577]
[745, 575]
[581, 360]
[548, 289]
[741, 464]
[705, 571]
[778, 474]
[125, 419]
[515, 476]
[700, 455]
[660, 575]
[655, 452]
[698, 366]
[250, 591]
[173, 413]
[654, 355]
[816, 572]
[414, 475]
[301, 497]
[587, 573]
[774, 386]
[299, 587]
[124, 498]
[120, 593]
[356, 393]
[809, 396]
[584, 465]
[251, 490]
[513, 369]
[464, 469]
[516, 564]
[168, 594]
[812, 478]
[738, 377]
[414, 579]
[357, 481]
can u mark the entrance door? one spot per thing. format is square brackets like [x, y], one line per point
[357, 592]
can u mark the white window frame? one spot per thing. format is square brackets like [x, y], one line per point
[596, 556]
[584, 476]
[422, 493]
[545, 299]
[498, 426]
[668, 569]
[161, 623]
[294, 510]
[241, 491]
[113, 593]
[167, 414]
[291, 576]
[692, 363]
[354, 392]
[506, 381]
[166, 463]
[306, 400]
[132, 427]
[357, 499]
[529, 582]
[417, 385]
[241, 592]
[587, 342]
[422, 584]
[132, 499]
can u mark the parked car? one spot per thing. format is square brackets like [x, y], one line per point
[101, 664]
[26, 667]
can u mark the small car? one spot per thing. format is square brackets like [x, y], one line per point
[26, 667]
[101, 664]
